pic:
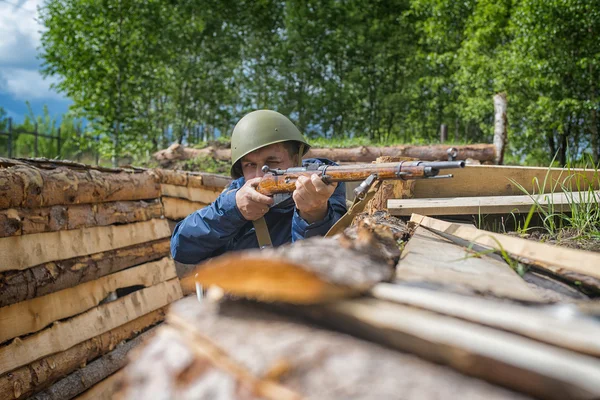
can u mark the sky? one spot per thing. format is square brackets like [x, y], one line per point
[20, 79]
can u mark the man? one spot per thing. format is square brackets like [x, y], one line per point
[242, 218]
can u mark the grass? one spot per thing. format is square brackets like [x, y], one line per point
[580, 225]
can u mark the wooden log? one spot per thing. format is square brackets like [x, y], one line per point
[26, 186]
[22, 221]
[313, 362]
[201, 195]
[428, 259]
[563, 261]
[35, 314]
[499, 180]
[32, 378]
[518, 363]
[21, 252]
[16, 286]
[103, 390]
[308, 271]
[544, 324]
[480, 152]
[177, 209]
[192, 179]
[63, 335]
[554, 202]
[93, 373]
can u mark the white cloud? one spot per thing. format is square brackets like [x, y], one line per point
[25, 84]
[20, 34]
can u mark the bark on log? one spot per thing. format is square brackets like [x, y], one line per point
[316, 363]
[23, 221]
[176, 209]
[86, 377]
[40, 374]
[33, 315]
[16, 286]
[27, 186]
[308, 271]
[479, 152]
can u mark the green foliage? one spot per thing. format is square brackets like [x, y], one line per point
[146, 73]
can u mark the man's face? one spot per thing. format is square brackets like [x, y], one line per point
[275, 156]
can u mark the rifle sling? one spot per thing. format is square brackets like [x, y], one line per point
[262, 233]
[356, 208]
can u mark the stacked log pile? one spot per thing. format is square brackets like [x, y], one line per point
[84, 274]
[183, 192]
[465, 323]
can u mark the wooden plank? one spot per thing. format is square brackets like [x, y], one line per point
[522, 364]
[93, 373]
[556, 202]
[176, 208]
[430, 259]
[35, 314]
[51, 277]
[25, 186]
[317, 363]
[24, 221]
[103, 390]
[63, 335]
[201, 195]
[34, 377]
[539, 323]
[21, 252]
[554, 258]
[495, 180]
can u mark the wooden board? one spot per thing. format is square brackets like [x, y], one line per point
[316, 363]
[495, 180]
[430, 259]
[35, 314]
[559, 260]
[21, 252]
[24, 221]
[201, 195]
[176, 208]
[31, 378]
[540, 323]
[63, 335]
[522, 364]
[51, 277]
[556, 202]
[93, 373]
[103, 390]
[25, 186]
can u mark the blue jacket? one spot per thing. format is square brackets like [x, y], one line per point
[220, 227]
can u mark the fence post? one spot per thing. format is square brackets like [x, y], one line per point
[58, 143]
[35, 147]
[97, 150]
[500, 126]
[9, 137]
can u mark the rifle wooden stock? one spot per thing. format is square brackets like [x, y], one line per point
[284, 181]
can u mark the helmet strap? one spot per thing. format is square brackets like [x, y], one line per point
[300, 154]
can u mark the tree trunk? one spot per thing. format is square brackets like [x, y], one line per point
[16, 286]
[500, 126]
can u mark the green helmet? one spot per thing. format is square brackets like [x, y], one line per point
[259, 129]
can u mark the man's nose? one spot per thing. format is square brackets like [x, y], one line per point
[259, 172]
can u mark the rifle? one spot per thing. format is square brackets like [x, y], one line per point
[276, 181]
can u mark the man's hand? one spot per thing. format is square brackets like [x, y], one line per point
[311, 196]
[252, 204]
